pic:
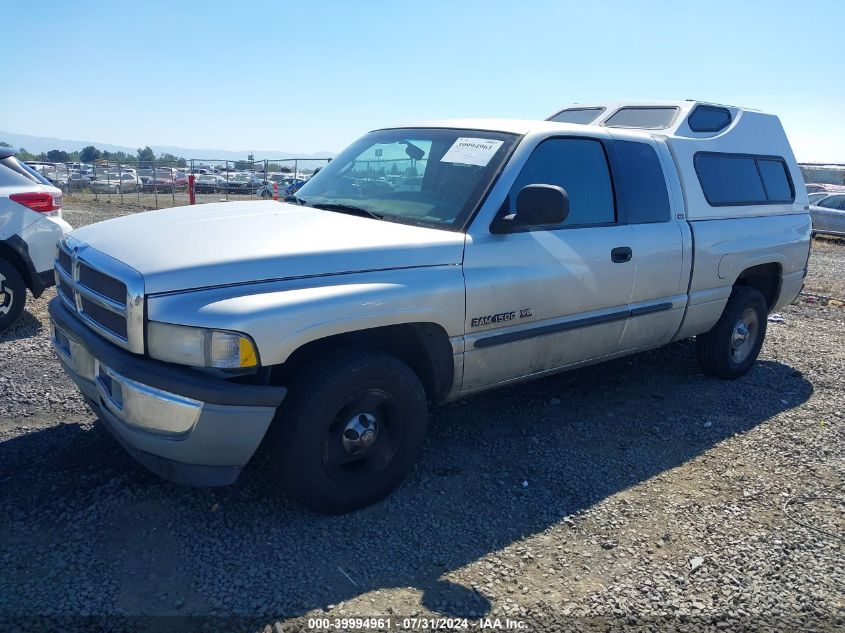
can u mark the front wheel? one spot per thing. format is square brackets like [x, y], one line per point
[350, 430]
[12, 294]
[730, 349]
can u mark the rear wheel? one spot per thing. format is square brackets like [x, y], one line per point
[349, 431]
[730, 349]
[12, 294]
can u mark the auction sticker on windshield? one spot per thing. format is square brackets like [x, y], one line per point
[471, 151]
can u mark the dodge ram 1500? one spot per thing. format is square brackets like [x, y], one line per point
[425, 263]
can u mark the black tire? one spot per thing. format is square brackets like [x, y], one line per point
[723, 351]
[316, 446]
[12, 294]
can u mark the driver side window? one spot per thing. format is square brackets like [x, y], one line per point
[580, 167]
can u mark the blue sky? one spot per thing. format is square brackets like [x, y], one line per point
[311, 76]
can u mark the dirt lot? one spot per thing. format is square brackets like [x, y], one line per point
[827, 270]
[635, 495]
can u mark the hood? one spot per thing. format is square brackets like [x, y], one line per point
[239, 242]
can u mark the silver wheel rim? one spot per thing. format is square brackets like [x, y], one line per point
[7, 297]
[363, 437]
[744, 335]
[360, 433]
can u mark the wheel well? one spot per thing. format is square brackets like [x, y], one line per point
[766, 278]
[14, 258]
[424, 347]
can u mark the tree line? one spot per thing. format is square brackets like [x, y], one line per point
[143, 157]
[90, 153]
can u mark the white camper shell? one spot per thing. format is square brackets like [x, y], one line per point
[731, 161]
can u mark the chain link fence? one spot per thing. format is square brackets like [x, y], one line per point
[159, 184]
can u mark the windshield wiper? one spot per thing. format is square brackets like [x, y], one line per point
[294, 198]
[347, 208]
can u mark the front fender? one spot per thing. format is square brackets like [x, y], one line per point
[282, 316]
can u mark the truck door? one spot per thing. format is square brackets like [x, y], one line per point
[542, 299]
[660, 240]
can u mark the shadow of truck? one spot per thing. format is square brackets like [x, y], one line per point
[575, 438]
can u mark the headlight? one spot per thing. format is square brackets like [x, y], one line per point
[200, 347]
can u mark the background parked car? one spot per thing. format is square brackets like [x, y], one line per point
[209, 183]
[158, 183]
[241, 183]
[30, 225]
[816, 196]
[160, 179]
[819, 187]
[294, 186]
[56, 173]
[814, 187]
[285, 182]
[78, 180]
[115, 183]
[828, 215]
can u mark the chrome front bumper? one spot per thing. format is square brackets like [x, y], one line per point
[133, 403]
[171, 431]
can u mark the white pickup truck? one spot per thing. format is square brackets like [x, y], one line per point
[423, 264]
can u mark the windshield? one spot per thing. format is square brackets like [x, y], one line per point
[431, 177]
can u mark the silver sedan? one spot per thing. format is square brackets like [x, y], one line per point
[828, 215]
[115, 183]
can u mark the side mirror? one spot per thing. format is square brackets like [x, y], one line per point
[536, 206]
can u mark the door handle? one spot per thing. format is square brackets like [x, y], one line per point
[621, 254]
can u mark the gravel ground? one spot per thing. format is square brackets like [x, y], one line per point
[827, 267]
[83, 208]
[634, 495]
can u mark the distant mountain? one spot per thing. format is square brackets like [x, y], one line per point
[38, 144]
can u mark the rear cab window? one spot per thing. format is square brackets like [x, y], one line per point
[640, 183]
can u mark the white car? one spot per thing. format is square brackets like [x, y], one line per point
[209, 183]
[30, 225]
[115, 183]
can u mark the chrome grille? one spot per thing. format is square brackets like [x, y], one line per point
[102, 284]
[65, 290]
[114, 322]
[106, 294]
[64, 260]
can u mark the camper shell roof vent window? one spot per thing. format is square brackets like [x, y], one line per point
[582, 116]
[707, 118]
[644, 117]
